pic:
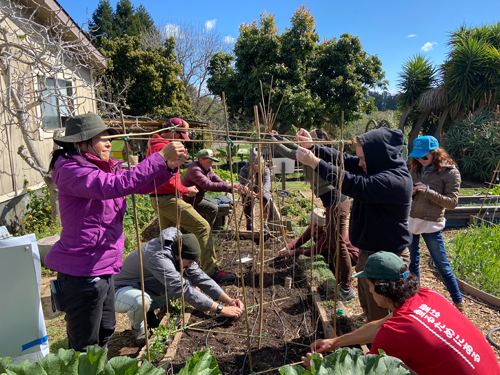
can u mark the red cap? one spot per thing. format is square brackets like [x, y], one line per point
[179, 123]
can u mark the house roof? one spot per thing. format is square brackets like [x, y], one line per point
[51, 8]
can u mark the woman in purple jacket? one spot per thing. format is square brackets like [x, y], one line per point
[92, 189]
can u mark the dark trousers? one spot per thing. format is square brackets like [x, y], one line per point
[345, 266]
[89, 303]
[208, 211]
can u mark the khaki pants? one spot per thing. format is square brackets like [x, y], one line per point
[191, 221]
[370, 307]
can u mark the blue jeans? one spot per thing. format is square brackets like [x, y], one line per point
[435, 244]
[129, 300]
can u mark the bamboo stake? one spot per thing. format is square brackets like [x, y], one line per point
[261, 233]
[339, 192]
[236, 228]
[139, 252]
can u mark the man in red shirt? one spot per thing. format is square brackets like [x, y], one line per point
[424, 329]
[166, 197]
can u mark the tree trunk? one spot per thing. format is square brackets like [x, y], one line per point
[416, 130]
[442, 119]
[404, 116]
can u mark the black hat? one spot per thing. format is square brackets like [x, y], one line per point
[82, 128]
[190, 247]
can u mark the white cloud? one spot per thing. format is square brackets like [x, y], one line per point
[428, 46]
[210, 24]
[229, 39]
[412, 36]
[172, 29]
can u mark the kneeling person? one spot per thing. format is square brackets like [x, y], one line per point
[162, 281]
[424, 330]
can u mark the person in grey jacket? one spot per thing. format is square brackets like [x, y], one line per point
[329, 196]
[249, 177]
[162, 281]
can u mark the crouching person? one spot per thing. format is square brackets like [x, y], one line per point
[423, 330]
[162, 281]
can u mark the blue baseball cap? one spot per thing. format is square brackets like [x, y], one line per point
[422, 146]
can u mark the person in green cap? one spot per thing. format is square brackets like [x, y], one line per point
[423, 329]
[201, 175]
[162, 281]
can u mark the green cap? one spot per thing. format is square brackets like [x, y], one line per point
[190, 247]
[206, 153]
[82, 128]
[383, 266]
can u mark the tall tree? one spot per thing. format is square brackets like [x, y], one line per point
[316, 80]
[145, 82]
[101, 25]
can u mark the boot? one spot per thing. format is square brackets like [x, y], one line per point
[153, 321]
[140, 336]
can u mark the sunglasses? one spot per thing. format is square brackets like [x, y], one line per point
[424, 157]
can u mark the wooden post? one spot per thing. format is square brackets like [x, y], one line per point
[236, 229]
[283, 175]
[139, 252]
[261, 233]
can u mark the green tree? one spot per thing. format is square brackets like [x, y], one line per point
[316, 80]
[150, 79]
[101, 25]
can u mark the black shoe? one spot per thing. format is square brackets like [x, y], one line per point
[140, 336]
[223, 277]
[153, 321]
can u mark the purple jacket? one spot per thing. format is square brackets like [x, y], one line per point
[92, 205]
[204, 180]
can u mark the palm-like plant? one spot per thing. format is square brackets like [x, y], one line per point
[418, 76]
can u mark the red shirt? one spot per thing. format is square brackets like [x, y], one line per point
[433, 338]
[155, 145]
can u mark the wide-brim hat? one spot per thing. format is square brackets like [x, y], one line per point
[318, 217]
[82, 128]
[423, 145]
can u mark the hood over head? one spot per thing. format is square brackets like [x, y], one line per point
[383, 149]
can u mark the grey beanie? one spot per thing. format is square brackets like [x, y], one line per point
[253, 156]
[190, 247]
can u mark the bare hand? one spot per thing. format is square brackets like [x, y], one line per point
[304, 138]
[306, 157]
[172, 151]
[192, 190]
[231, 311]
[419, 187]
[240, 189]
[320, 346]
[285, 252]
[307, 361]
[237, 303]
[177, 162]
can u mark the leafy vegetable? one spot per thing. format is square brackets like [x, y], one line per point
[201, 363]
[348, 361]
[69, 362]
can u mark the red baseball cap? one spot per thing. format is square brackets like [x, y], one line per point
[179, 123]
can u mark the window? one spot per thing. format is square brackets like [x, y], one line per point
[57, 107]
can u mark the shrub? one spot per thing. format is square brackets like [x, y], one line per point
[474, 143]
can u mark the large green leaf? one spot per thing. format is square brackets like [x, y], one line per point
[25, 368]
[4, 362]
[201, 363]
[346, 361]
[92, 362]
[121, 366]
[64, 363]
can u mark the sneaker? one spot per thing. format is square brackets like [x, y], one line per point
[153, 321]
[223, 277]
[140, 336]
[346, 295]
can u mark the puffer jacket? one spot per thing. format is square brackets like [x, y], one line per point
[204, 180]
[442, 194]
[162, 276]
[92, 205]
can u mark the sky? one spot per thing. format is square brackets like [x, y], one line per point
[393, 30]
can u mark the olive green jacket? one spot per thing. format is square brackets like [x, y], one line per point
[442, 193]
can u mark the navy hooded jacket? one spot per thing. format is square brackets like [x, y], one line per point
[382, 197]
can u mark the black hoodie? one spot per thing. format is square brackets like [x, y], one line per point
[382, 198]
